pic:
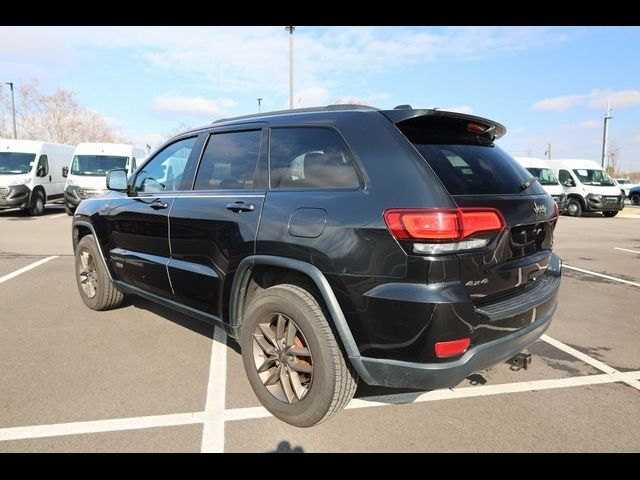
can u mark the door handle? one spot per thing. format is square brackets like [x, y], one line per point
[159, 205]
[49, 177]
[240, 207]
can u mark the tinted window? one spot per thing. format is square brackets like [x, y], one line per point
[310, 158]
[476, 170]
[164, 172]
[230, 161]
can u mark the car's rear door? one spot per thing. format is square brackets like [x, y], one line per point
[213, 227]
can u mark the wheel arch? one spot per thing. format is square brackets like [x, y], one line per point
[577, 197]
[297, 268]
[82, 228]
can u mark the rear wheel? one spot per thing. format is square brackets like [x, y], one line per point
[635, 199]
[292, 359]
[95, 286]
[574, 207]
[37, 204]
[610, 214]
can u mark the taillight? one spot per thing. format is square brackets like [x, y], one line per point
[446, 230]
[452, 348]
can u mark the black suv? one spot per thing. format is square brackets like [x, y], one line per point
[398, 246]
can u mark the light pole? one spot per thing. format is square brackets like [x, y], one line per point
[13, 108]
[259, 102]
[291, 30]
[605, 134]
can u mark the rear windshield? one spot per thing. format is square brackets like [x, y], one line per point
[545, 176]
[477, 170]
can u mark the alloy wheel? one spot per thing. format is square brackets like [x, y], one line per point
[88, 274]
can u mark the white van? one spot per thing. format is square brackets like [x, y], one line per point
[31, 173]
[540, 169]
[588, 187]
[86, 177]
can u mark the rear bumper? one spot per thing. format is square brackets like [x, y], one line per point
[394, 373]
[508, 326]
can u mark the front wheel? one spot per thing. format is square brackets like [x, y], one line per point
[635, 199]
[574, 208]
[610, 214]
[37, 204]
[95, 287]
[292, 359]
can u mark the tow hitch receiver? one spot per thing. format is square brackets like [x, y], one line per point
[520, 361]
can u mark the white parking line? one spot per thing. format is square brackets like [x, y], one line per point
[213, 430]
[26, 269]
[626, 250]
[249, 413]
[58, 215]
[609, 277]
[612, 372]
[97, 426]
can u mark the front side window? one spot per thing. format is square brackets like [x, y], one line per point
[164, 172]
[230, 161]
[14, 163]
[565, 178]
[43, 166]
[310, 157]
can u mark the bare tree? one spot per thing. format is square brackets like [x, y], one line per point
[57, 117]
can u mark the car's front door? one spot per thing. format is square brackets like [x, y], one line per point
[213, 227]
[138, 224]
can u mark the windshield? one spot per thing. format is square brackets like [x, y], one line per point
[594, 177]
[97, 165]
[545, 176]
[14, 163]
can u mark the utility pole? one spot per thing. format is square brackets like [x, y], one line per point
[13, 108]
[605, 134]
[291, 30]
[259, 102]
[547, 152]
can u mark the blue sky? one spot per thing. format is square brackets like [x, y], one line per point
[546, 84]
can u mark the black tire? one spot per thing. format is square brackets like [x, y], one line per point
[574, 208]
[94, 276]
[610, 214]
[635, 199]
[37, 204]
[69, 210]
[332, 381]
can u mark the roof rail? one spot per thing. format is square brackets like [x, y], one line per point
[327, 108]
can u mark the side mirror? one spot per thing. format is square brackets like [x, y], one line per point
[65, 172]
[117, 180]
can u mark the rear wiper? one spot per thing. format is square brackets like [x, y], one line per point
[528, 183]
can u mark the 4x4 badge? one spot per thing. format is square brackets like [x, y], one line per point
[539, 209]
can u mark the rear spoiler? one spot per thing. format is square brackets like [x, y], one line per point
[406, 116]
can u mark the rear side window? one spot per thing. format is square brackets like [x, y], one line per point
[310, 157]
[230, 161]
[476, 169]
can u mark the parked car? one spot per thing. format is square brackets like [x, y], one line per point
[589, 188]
[540, 169]
[634, 195]
[91, 162]
[31, 173]
[625, 185]
[401, 247]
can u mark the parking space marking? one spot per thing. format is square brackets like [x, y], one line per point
[626, 250]
[26, 269]
[58, 215]
[98, 426]
[612, 372]
[213, 431]
[589, 272]
[250, 413]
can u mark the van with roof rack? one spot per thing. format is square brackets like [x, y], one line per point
[400, 247]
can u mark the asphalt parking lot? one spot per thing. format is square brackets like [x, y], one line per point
[142, 378]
